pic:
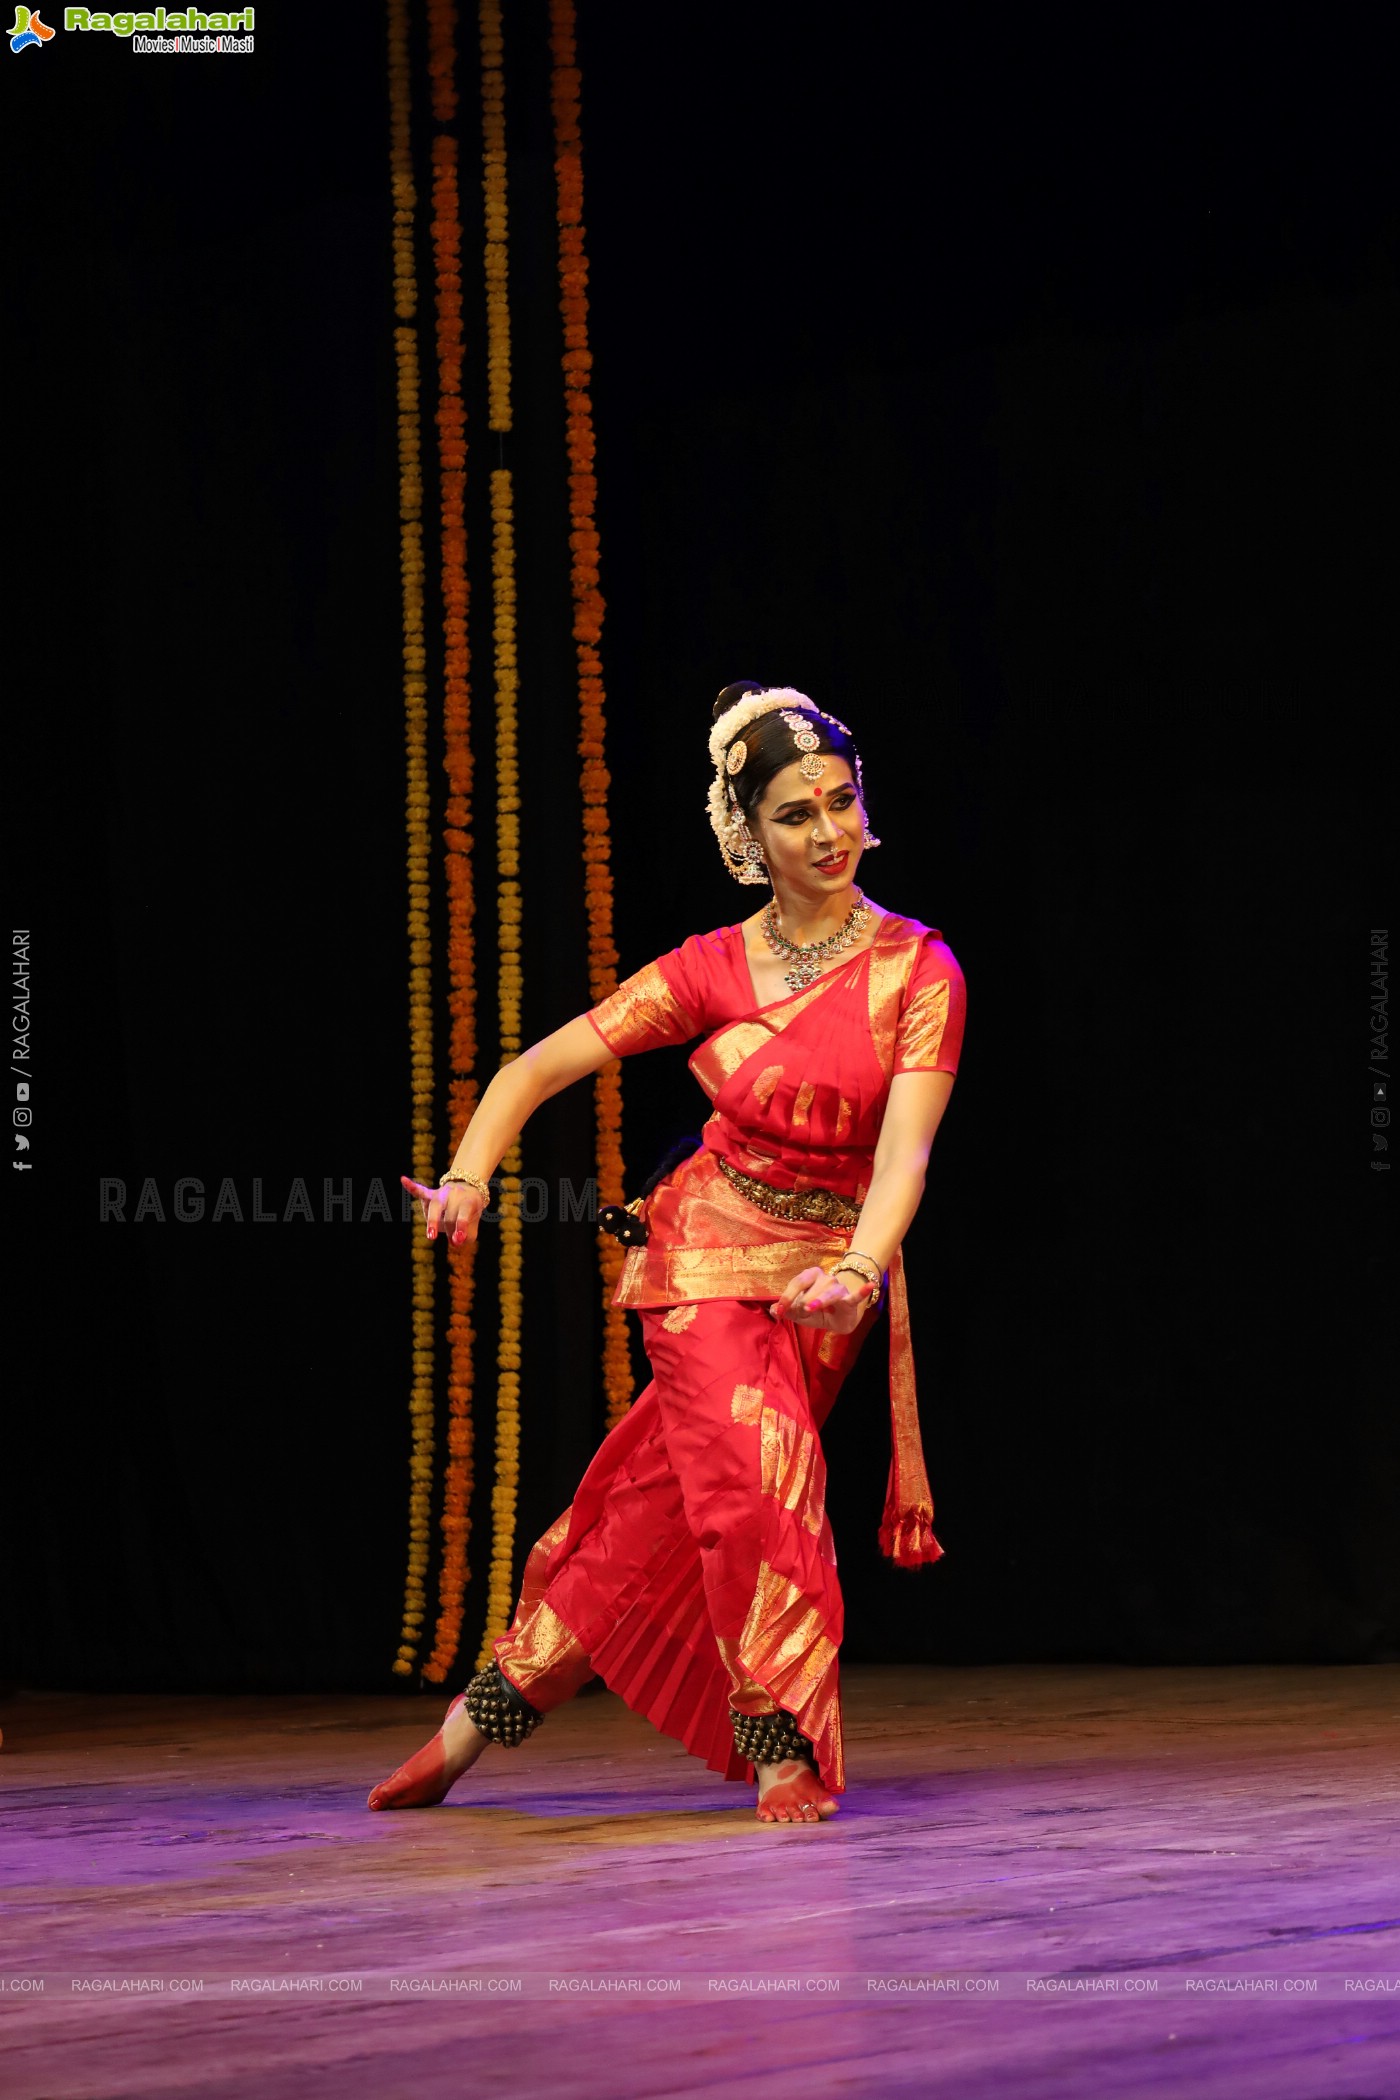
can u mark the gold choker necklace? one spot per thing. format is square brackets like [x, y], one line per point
[807, 957]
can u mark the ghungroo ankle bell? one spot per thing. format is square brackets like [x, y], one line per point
[766, 1739]
[493, 1705]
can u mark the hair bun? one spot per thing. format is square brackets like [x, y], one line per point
[732, 695]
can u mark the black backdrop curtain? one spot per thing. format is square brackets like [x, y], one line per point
[1016, 391]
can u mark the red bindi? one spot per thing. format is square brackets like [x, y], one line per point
[816, 791]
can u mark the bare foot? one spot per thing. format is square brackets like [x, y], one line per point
[432, 1771]
[791, 1792]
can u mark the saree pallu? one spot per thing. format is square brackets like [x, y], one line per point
[695, 1569]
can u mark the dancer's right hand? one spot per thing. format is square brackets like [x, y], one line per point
[454, 1210]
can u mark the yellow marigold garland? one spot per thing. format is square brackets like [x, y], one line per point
[455, 1571]
[418, 815]
[493, 155]
[500, 1591]
[588, 629]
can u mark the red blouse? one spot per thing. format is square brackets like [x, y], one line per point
[798, 1086]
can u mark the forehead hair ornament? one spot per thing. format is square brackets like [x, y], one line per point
[807, 741]
[743, 855]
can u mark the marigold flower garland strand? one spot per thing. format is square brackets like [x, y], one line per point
[500, 1591]
[455, 1522]
[565, 83]
[415, 689]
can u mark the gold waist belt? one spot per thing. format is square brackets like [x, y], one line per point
[819, 1206]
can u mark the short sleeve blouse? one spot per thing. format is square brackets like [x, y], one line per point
[668, 1001]
[934, 1013]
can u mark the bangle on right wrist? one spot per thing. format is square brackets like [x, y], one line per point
[471, 1181]
[875, 1282]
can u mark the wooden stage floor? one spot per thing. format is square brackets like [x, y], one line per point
[1045, 1884]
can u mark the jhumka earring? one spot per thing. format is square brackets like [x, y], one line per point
[746, 850]
[742, 853]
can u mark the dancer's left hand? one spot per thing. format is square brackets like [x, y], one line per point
[815, 1299]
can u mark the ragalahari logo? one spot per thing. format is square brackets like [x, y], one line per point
[28, 30]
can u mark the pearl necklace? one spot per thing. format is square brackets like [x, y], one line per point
[807, 957]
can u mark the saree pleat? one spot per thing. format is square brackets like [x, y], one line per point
[697, 1554]
[646, 1633]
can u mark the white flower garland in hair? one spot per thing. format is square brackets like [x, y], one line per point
[735, 718]
[749, 709]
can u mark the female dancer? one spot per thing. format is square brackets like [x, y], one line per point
[695, 1571]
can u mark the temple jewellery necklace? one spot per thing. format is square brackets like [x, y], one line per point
[807, 958]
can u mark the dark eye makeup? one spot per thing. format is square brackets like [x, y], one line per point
[841, 800]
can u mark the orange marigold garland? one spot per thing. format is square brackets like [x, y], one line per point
[500, 1591]
[455, 1571]
[418, 815]
[588, 630]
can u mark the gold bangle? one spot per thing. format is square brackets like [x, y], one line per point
[471, 1181]
[868, 1269]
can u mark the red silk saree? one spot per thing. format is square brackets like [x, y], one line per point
[695, 1569]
